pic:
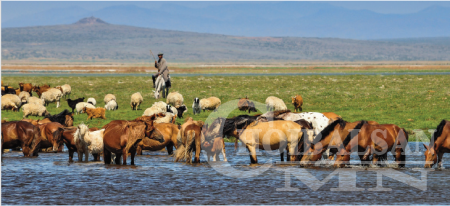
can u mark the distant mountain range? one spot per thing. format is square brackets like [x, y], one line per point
[93, 39]
[260, 19]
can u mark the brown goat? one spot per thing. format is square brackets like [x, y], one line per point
[298, 102]
[95, 113]
[244, 104]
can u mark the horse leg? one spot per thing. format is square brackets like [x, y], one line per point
[106, 156]
[281, 155]
[124, 153]
[439, 156]
[253, 158]
[80, 155]
[197, 151]
[118, 159]
[86, 154]
[169, 148]
[400, 157]
[139, 150]
[223, 151]
[71, 151]
[132, 155]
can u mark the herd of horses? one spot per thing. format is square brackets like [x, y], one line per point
[298, 139]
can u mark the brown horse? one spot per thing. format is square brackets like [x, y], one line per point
[68, 139]
[168, 131]
[21, 134]
[331, 115]
[275, 135]
[51, 135]
[121, 137]
[368, 142]
[439, 144]
[330, 136]
[189, 141]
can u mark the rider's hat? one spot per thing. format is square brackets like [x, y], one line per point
[160, 53]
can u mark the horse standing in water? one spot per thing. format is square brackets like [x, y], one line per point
[21, 134]
[439, 144]
[394, 139]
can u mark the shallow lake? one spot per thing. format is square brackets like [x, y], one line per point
[156, 179]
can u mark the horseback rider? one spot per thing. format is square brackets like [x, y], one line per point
[163, 70]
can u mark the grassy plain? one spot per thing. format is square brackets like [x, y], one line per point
[412, 102]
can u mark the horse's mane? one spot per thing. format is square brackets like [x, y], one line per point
[239, 122]
[327, 130]
[438, 131]
[350, 136]
[275, 113]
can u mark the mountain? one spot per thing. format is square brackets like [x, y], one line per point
[282, 19]
[93, 39]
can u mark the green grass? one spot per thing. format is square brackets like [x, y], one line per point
[411, 102]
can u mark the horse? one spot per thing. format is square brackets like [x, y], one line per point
[439, 144]
[369, 143]
[122, 137]
[69, 140]
[51, 135]
[88, 142]
[214, 145]
[189, 137]
[168, 131]
[273, 135]
[160, 85]
[328, 138]
[21, 134]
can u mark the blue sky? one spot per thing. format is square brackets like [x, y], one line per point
[13, 9]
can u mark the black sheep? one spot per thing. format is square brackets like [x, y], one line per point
[8, 91]
[73, 103]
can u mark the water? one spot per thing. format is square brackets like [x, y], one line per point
[62, 73]
[156, 179]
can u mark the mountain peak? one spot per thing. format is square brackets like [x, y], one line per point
[90, 21]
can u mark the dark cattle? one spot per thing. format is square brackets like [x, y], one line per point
[73, 103]
[21, 134]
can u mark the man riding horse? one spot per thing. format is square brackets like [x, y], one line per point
[163, 70]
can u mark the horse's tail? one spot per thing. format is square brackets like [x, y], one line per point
[36, 142]
[190, 145]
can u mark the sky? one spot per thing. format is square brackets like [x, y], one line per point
[13, 9]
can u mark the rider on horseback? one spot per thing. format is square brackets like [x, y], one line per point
[163, 70]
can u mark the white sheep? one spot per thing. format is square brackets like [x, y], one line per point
[169, 118]
[52, 95]
[80, 105]
[275, 104]
[109, 97]
[65, 89]
[91, 101]
[35, 100]
[13, 98]
[196, 106]
[7, 104]
[24, 96]
[88, 142]
[175, 99]
[152, 110]
[211, 103]
[34, 110]
[136, 100]
[161, 105]
[111, 105]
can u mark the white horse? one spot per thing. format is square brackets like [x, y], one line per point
[88, 142]
[160, 85]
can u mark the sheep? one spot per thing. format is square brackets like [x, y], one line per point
[14, 99]
[91, 101]
[73, 103]
[65, 89]
[7, 104]
[111, 105]
[172, 110]
[211, 103]
[161, 105]
[34, 110]
[52, 95]
[95, 113]
[175, 99]
[168, 118]
[196, 106]
[109, 97]
[275, 104]
[297, 101]
[24, 96]
[153, 110]
[35, 100]
[79, 107]
[136, 100]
